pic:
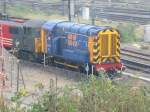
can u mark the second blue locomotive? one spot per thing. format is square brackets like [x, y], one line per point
[80, 45]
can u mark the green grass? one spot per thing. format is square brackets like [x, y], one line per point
[93, 95]
[27, 12]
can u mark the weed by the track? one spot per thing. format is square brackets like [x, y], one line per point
[93, 95]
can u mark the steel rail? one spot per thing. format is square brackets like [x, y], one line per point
[135, 67]
[137, 77]
[136, 59]
[137, 55]
[135, 52]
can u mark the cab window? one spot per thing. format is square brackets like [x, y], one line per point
[14, 30]
[27, 30]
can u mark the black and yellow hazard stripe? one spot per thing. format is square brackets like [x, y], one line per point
[117, 47]
[96, 50]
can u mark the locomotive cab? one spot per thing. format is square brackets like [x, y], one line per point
[81, 45]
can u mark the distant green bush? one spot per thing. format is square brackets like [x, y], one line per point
[127, 31]
[93, 95]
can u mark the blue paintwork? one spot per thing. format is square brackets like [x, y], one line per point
[57, 39]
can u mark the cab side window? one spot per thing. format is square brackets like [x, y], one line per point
[27, 30]
[14, 30]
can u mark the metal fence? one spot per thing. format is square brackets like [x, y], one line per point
[8, 68]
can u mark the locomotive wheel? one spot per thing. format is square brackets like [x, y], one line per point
[82, 69]
[51, 61]
[26, 56]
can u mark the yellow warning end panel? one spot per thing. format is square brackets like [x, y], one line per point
[105, 47]
[110, 45]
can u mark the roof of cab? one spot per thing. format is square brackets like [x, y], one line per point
[11, 23]
[49, 25]
[34, 23]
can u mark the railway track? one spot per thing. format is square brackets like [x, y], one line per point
[124, 17]
[77, 76]
[136, 60]
[146, 79]
[117, 11]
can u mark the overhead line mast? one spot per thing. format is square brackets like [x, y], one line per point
[4, 6]
[69, 7]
